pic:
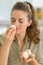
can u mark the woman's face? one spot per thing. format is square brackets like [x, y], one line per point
[20, 20]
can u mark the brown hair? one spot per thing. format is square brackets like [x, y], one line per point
[32, 32]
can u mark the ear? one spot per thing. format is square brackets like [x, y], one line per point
[29, 22]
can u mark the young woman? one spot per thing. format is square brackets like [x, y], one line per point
[24, 36]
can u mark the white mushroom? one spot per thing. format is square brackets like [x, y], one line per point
[26, 53]
[13, 26]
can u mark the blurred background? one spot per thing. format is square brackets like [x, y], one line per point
[5, 10]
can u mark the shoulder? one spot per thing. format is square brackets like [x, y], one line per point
[36, 45]
[32, 44]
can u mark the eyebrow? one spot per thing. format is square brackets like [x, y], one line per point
[14, 18]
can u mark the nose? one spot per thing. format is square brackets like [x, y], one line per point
[16, 23]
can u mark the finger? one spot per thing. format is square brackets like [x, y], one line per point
[22, 59]
[9, 40]
[7, 31]
[21, 56]
[11, 33]
[20, 52]
[6, 35]
[32, 56]
[29, 60]
[11, 37]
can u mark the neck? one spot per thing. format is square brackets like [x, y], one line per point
[20, 37]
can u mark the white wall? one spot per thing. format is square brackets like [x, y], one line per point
[5, 8]
[6, 5]
[38, 3]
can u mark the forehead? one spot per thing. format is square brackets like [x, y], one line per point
[19, 13]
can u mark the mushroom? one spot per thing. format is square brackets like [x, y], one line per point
[26, 53]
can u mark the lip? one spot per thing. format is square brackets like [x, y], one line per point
[17, 28]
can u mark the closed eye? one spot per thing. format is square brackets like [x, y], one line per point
[20, 21]
[13, 20]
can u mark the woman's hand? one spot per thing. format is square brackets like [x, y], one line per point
[6, 43]
[29, 59]
[9, 35]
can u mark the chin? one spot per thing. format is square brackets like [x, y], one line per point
[17, 33]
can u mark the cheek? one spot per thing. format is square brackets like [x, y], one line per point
[24, 26]
[12, 23]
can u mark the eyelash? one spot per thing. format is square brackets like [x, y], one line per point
[19, 21]
[12, 21]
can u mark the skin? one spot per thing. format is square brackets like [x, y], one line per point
[20, 20]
